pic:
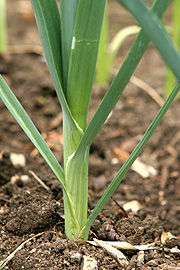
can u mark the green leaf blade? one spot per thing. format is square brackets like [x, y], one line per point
[136, 152]
[154, 30]
[83, 58]
[121, 80]
[68, 17]
[31, 131]
[49, 25]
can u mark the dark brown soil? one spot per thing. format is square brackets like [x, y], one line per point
[28, 209]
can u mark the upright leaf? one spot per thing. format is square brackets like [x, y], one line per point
[68, 17]
[48, 21]
[121, 80]
[83, 57]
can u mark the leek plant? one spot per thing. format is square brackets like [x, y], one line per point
[3, 30]
[70, 39]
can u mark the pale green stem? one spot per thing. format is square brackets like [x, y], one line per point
[76, 176]
[76, 180]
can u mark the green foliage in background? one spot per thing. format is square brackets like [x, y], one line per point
[175, 33]
[3, 28]
[108, 51]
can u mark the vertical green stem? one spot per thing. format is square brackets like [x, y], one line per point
[76, 174]
[76, 179]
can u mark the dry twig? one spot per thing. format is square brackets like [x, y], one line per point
[148, 89]
[39, 180]
[4, 262]
[121, 258]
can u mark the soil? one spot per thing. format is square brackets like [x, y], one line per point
[30, 211]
